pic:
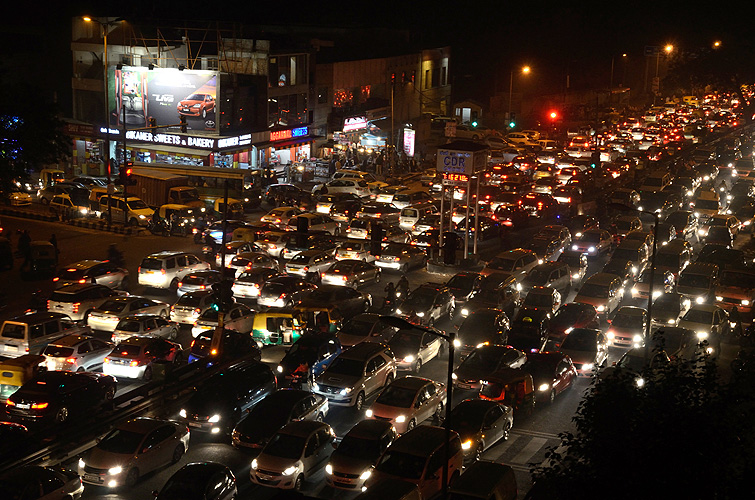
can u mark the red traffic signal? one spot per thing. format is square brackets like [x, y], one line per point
[553, 115]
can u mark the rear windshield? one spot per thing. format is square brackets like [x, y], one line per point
[127, 351]
[409, 212]
[152, 264]
[194, 280]
[63, 297]
[71, 274]
[188, 299]
[129, 326]
[13, 331]
[57, 351]
[353, 246]
[113, 306]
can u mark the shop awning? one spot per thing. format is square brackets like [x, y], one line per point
[294, 142]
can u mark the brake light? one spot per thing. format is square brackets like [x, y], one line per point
[272, 247]
[213, 352]
[82, 280]
[39, 406]
[162, 271]
[192, 344]
[343, 278]
[202, 287]
[56, 278]
[134, 363]
[180, 284]
[48, 305]
[10, 403]
[71, 361]
[139, 269]
[306, 268]
[106, 360]
[76, 307]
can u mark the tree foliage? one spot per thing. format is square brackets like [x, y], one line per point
[684, 434]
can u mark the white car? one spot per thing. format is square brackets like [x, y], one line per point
[316, 222]
[190, 306]
[357, 250]
[166, 269]
[239, 318]
[253, 260]
[157, 326]
[232, 249]
[353, 186]
[273, 242]
[280, 215]
[76, 353]
[109, 314]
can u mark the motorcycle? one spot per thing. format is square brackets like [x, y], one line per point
[158, 228]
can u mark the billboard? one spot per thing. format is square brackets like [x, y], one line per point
[409, 142]
[164, 94]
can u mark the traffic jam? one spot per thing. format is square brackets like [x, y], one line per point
[324, 326]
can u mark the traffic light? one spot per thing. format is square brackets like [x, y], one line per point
[376, 239]
[595, 159]
[124, 175]
[152, 124]
[222, 295]
[512, 121]
[553, 115]
[184, 126]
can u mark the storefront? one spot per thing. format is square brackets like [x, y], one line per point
[294, 145]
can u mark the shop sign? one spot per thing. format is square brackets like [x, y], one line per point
[354, 123]
[282, 135]
[409, 135]
[240, 140]
[170, 139]
[79, 129]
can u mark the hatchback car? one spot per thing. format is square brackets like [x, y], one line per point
[248, 284]
[709, 322]
[429, 303]
[401, 257]
[195, 282]
[409, 401]
[350, 272]
[481, 424]
[134, 449]
[93, 271]
[365, 327]
[552, 373]
[414, 347]
[134, 357]
[351, 463]
[358, 250]
[603, 291]
[283, 291]
[238, 317]
[483, 361]
[107, 316]
[593, 242]
[587, 348]
[480, 327]
[156, 326]
[310, 264]
[191, 306]
[542, 297]
[76, 353]
[34, 482]
[280, 215]
[628, 327]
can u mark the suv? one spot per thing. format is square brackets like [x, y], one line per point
[166, 269]
[550, 274]
[517, 262]
[603, 291]
[429, 302]
[357, 373]
[79, 299]
[93, 271]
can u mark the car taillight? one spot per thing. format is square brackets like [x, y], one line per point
[256, 285]
[192, 344]
[106, 360]
[283, 295]
[134, 363]
[48, 305]
[272, 247]
[10, 403]
[71, 361]
[76, 306]
[139, 269]
[180, 284]
[56, 278]
[306, 268]
[343, 278]
[202, 287]
[162, 271]
[82, 280]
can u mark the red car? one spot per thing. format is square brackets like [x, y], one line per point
[197, 105]
[552, 373]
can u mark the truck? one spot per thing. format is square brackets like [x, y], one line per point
[157, 188]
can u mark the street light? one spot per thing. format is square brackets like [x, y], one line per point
[624, 58]
[656, 216]
[716, 44]
[668, 49]
[525, 71]
[401, 323]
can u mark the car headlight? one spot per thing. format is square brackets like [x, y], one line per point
[329, 469]
[420, 314]
[671, 321]
[697, 214]
[745, 302]
[344, 391]
[637, 338]
[84, 210]
[591, 249]
[544, 387]
[316, 387]
[700, 299]
[587, 366]
[290, 470]
[690, 193]
[575, 276]
[408, 359]
[454, 376]
[398, 311]
[719, 298]
[574, 247]
[113, 471]
[400, 419]
[519, 287]
[82, 464]
[368, 413]
[365, 475]
[466, 444]
[214, 419]
[634, 269]
[601, 308]
[640, 208]
[610, 335]
[702, 335]
[182, 413]
[279, 369]
[656, 294]
[142, 216]
[254, 463]
[640, 382]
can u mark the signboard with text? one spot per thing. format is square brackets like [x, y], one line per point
[354, 123]
[293, 133]
[409, 136]
[461, 162]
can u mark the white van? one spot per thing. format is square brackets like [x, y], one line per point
[133, 209]
[411, 214]
[30, 333]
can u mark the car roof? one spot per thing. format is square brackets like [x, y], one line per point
[704, 307]
[38, 317]
[70, 340]
[369, 429]
[140, 317]
[602, 279]
[138, 340]
[142, 425]
[164, 254]
[541, 290]
[362, 350]
[422, 440]
[303, 428]
[632, 311]
[203, 470]
[83, 264]
[287, 396]
[411, 382]
[74, 288]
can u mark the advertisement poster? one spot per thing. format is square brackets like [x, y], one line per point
[165, 95]
[409, 142]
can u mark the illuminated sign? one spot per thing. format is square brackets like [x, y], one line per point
[171, 139]
[281, 135]
[455, 177]
[461, 162]
[354, 123]
[240, 140]
[409, 142]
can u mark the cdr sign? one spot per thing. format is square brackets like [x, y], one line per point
[460, 162]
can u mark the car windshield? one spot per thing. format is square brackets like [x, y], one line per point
[57, 351]
[589, 238]
[121, 442]
[406, 338]
[359, 448]
[342, 267]
[663, 259]
[568, 314]
[136, 205]
[420, 299]
[623, 225]
[343, 366]
[538, 300]
[285, 446]
[129, 325]
[699, 316]
[538, 276]
[477, 327]
[580, 341]
[627, 321]
[737, 279]
[356, 247]
[659, 278]
[632, 362]
[694, 280]
[462, 281]
[706, 204]
[678, 219]
[625, 254]
[189, 299]
[593, 290]
[502, 264]
[485, 359]
[398, 397]
[301, 259]
[396, 463]
[527, 341]
[113, 306]
[467, 418]
[127, 351]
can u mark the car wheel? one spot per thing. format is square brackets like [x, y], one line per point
[299, 482]
[178, 453]
[174, 285]
[132, 477]
[388, 380]
[80, 370]
[404, 268]
[110, 394]
[506, 432]
[417, 366]
[552, 396]
[411, 425]
[378, 277]
[61, 415]
[178, 359]
[438, 415]
[45, 201]
[359, 403]
[173, 334]
[320, 417]
[147, 373]
[451, 312]
[366, 305]
[133, 222]
[204, 113]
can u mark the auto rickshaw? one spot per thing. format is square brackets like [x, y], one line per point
[274, 328]
[235, 208]
[512, 387]
[44, 258]
[17, 371]
[187, 218]
[317, 319]
[6, 253]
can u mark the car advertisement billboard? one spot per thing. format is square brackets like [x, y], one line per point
[165, 95]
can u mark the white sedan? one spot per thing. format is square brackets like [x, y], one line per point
[109, 314]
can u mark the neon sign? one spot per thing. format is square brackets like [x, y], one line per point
[281, 135]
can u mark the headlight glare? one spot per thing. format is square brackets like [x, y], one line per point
[214, 419]
[115, 470]
[543, 387]
[400, 419]
[365, 475]
[290, 470]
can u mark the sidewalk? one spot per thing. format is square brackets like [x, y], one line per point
[97, 224]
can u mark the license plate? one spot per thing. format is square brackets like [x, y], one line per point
[93, 478]
[11, 348]
[265, 477]
[195, 424]
[22, 406]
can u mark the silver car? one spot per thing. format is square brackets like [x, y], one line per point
[350, 273]
[251, 260]
[109, 314]
[93, 271]
[76, 353]
[234, 248]
[194, 282]
[145, 325]
[409, 401]
[310, 262]
[191, 306]
[239, 318]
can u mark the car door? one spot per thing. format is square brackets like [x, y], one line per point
[100, 349]
[372, 380]
[432, 478]
[428, 346]
[492, 425]
[324, 438]
[148, 457]
[52, 487]
[310, 455]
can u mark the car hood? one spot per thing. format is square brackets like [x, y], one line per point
[338, 380]
[274, 464]
[468, 372]
[349, 465]
[580, 357]
[258, 430]
[100, 459]
[695, 327]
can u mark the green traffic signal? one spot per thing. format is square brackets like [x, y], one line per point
[474, 123]
[512, 124]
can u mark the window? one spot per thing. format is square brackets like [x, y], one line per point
[427, 78]
[52, 327]
[170, 263]
[443, 80]
[378, 362]
[85, 347]
[192, 260]
[50, 483]
[431, 390]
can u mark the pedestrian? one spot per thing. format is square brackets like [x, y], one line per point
[736, 319]
[54, 241]
[24, 247]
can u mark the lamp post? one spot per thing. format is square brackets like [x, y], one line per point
[525, 71]
[401, 323]
[105, 25]
[623, 57]
[656, 217]
[668, 49]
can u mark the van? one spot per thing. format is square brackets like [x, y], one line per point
[603, 291]
[656, 181]
[418, 456]
[698, 282]
[486, 481]
[133, 209]
[673, 257]
[411, 214]
[30, 333]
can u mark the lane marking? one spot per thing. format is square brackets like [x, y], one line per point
[529, 451]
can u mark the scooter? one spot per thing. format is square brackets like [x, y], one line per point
[158, 228]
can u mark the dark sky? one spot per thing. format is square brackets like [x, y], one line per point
[488, 39]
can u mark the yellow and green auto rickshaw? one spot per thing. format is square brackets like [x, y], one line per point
[317, 319]
[17, 371]
[274, 328]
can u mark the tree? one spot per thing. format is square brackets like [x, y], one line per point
[685, 433]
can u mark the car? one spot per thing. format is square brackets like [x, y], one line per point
[107, 316]
[219, 403]
[77, 300]
[628, 327]
[497, 290]
[365, 327]
[463, 284]
[93, 271]
[414, 347]
[57, 396]
[234, 248]
[668, 308]
[552, 373]
[273, 242]
[555, 275]
[18, 198]
[587, 348]
[294, 453]
[581, 223]
[555, 231]
[312, 240]
[385, 213]
[542, 297]
[529, 329]
[401, 257]
[484, 360]
[281, 215]
[314, 222]
[283, 291]
[197, 104]
[346, 301]
[135, 357]
[735, 289]
[409, 401]
[517, 262]
[663, 282]
[356, 250]
[636, 362]
[428, 303]
[76, 353]
[602, 291]
[73, 189]
[307, 358]
[34, 482]
[234, 346]
[481, 424]
[709, 322]
[134, 449]
[209, 479]
[350, 272]
[593, 242]
[275, 194]
[351, 463]
[166, 269]
[237, 317]
[620, 267]
[719, 235]
[357, 187]
[339, 206]
[248, 284]
[194, 282]
[153, 325]
[480, 327]
[247, 261]
[190, 306]
[356, 374]
[275, 411]
[577, 262]
[685, 224]
[64, 206]
[570, 316]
